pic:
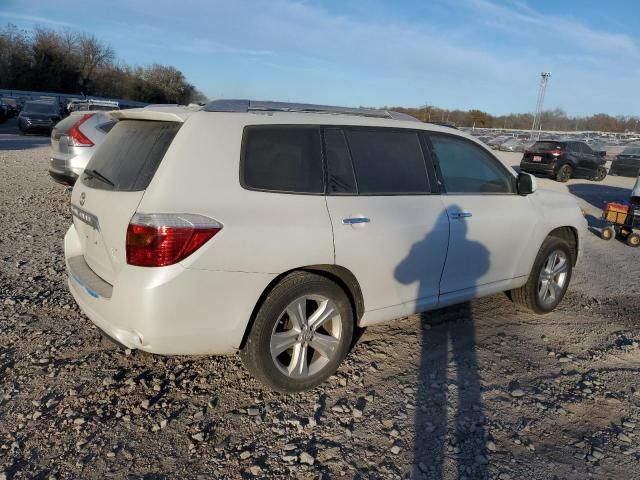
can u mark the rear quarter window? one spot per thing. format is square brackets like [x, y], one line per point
[129, 156]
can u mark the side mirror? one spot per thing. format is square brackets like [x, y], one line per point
[526, 184]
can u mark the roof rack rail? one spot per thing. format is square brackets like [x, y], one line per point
[244, 106]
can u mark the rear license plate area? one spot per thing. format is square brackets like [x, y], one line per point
[537, 158]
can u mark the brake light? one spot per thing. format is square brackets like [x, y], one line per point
[157, 240]
[76, 137]
[556, 153]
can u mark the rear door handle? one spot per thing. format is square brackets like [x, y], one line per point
[460, 215]
[355, 220]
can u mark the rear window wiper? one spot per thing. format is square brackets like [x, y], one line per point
[94, 173]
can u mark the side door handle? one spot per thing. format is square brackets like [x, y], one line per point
[460, 215]
[355, 220]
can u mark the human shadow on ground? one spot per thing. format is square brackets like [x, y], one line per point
[449, 419]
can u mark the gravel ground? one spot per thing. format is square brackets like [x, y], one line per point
[481, 390]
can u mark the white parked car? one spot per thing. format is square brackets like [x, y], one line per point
[274, 229]
[73, 141]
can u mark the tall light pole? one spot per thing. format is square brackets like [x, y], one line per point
[544, 78]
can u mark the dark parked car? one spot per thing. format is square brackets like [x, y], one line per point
[38, 116]
[10, 106]
[627, 163]
[564, 159]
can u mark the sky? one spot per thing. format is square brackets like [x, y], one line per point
[485, 54]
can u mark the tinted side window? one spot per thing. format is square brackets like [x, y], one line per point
[467, 168]
[387, 161]
[130, 155]
[283, 159]
[340, 177]
[584, 148]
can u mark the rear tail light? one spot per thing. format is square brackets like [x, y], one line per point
[157, 240]
[76, 137]
[556, 153]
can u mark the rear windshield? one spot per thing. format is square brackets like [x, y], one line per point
[64, 125]
[544, 146]
[632, 151]
[129, 156]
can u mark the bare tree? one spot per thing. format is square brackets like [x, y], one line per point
[91, 54]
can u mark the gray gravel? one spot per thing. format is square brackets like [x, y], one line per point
[473, 391]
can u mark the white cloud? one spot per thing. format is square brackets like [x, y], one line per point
[34, 19]
[204, 46]
[519, 17]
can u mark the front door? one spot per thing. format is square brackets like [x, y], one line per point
[489, 221]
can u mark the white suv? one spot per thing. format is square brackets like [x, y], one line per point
[275, 229]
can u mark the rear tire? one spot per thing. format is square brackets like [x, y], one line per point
[564, 173]
[600, 175]
[301, 333]
[549, 278]
[607, 233]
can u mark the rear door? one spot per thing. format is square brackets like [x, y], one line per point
[390, 228]
[108, 193]
[490, 223]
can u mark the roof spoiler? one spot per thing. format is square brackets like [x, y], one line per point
[144, 114]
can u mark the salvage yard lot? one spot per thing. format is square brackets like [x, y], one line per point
[482, 390]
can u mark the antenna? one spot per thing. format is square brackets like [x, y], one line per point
[544, 79]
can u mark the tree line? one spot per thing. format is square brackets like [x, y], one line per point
[557, 120]
[78, 63]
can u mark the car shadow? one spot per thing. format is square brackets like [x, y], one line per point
[10, 138]
[449, 419]
[597, 194]
[15, 142]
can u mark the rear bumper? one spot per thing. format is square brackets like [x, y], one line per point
[169, 310]
[62, 171]
[624, 170]
[65, 178]
[537, 167]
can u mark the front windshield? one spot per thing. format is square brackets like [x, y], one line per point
[39, 108]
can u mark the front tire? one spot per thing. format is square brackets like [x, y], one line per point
[564, 173]
[549, 278]
[301, 333]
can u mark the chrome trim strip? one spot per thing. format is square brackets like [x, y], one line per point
[86, 217]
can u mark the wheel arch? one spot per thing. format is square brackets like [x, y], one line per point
[341, 275]
[570, 235]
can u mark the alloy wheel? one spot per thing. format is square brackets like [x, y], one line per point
[306, 336]
[565, 173]
[553, 277]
